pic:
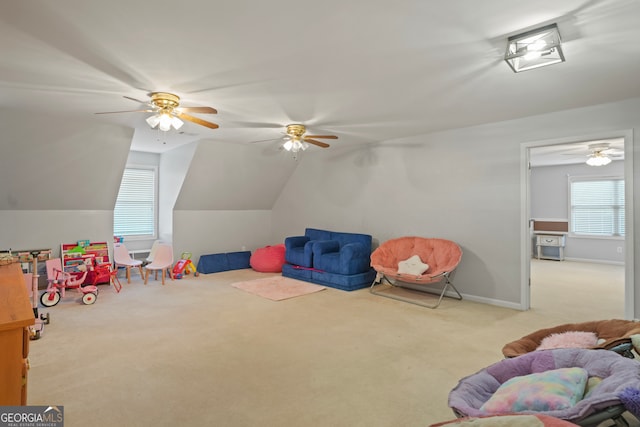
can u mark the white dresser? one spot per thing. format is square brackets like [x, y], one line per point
[553, 241]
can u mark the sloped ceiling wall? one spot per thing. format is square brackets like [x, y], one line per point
[60, 163]
[225, 176]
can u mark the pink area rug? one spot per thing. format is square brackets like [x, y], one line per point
[278, 288]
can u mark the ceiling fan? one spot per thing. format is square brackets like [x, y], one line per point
[598, 154]
[168, 112]
[601, 154]
[296, 140]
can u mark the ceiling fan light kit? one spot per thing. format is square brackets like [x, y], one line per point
[598, 159]
[601, 154]
[295, 145]
[164, 121]
[295, 142]
[534, 49]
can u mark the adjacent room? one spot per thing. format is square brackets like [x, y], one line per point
[206, 203]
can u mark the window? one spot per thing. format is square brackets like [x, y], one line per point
[135, 210]
[597, 206]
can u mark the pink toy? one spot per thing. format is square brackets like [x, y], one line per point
[59, 280]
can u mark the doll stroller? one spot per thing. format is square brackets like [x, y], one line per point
[59, 281]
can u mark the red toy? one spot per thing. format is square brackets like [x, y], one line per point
[184, 266]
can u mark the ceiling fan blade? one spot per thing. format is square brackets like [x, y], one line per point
[136, 100]
[197, 120]
[201, 110]
[244, 124]
[321, 136]
[128, 111]
[314, 142]
[265, 140]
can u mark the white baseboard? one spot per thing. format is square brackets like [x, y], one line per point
[595, 261]
[492, 301]
[474, 298]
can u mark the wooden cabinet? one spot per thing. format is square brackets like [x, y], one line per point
[16, 315]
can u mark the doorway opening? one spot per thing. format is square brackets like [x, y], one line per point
[573, 258]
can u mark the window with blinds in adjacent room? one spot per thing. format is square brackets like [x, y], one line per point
[597, 206]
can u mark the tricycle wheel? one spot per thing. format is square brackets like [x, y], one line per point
[49, 299]
[89, 298]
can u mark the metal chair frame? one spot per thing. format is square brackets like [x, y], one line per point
[417, 287]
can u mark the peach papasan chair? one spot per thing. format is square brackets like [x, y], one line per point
[420, 264]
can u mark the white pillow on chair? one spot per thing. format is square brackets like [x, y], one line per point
[413, 265]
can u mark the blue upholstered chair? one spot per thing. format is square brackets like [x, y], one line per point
[299, 249]
[336, 259]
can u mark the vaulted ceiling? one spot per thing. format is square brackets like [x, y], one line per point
[365, 70]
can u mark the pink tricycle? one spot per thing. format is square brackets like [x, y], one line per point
[60, 280]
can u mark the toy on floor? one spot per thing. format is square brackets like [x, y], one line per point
[105, 270]
[184, 266]
[59, 281]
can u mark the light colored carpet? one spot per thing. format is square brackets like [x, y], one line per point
[198, 352]
[278, 288]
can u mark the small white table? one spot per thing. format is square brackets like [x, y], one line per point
[550, 240]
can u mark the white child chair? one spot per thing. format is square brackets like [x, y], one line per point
[121, 258]
[162, 261]
[152, 252]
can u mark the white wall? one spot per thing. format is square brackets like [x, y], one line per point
[174, 166]
[211, 232]
[432, 186]
[462, 184]
[50, 163]
[59, 179]
[550, 200]
[224, 176]
[48, 229]
[226, 199]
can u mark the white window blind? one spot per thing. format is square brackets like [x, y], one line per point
[597, 207]
[135, 210]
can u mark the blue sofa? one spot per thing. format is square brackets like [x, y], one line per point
[329, 258]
